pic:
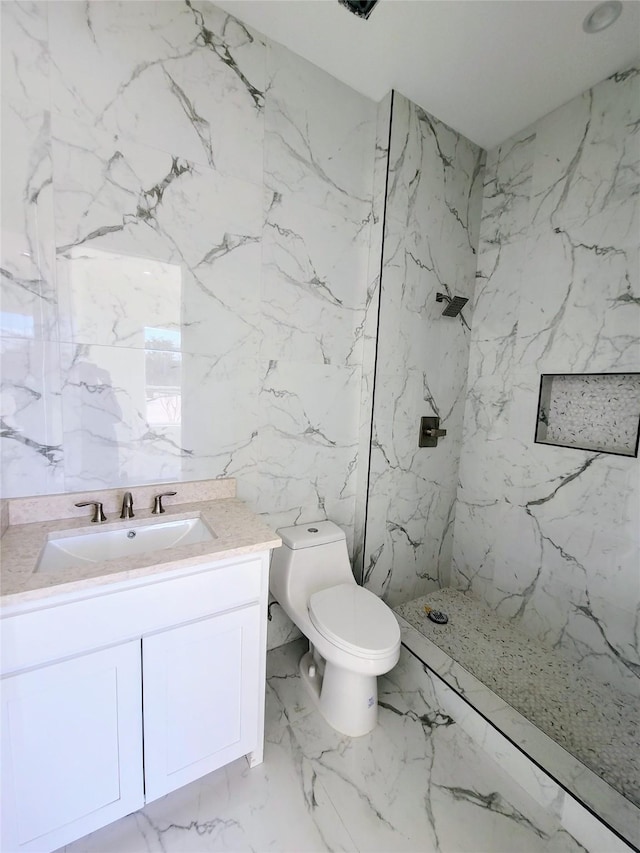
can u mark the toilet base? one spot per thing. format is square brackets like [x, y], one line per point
[347, 700]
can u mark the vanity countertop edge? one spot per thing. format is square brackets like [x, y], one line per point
[238, 531]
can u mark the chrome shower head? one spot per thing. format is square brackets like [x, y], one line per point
[455, 304]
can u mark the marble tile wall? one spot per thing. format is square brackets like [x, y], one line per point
[131, 244]
[431, 232]
[186, 232]
[318, 166]
[549, 536]
[370, 327]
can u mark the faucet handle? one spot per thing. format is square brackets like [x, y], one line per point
[98, 514]
[157, 502]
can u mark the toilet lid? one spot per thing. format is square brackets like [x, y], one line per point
[354, 619]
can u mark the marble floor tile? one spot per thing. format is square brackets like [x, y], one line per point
[233, 809]
[417, 783]
[284, 684]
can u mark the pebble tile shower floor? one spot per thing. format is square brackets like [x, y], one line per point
[417, 783]
[596, 723]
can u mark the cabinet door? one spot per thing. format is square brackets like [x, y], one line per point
[71, 748]
[201, 698]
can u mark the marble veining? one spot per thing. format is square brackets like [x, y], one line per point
[548, 536]
[176, 72]
[418, 782]
[556, 780]
[168, 143]
[185, 259]
[370, 325]
[434, 187]
[596, 724]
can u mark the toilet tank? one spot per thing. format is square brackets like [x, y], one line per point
[312, 557]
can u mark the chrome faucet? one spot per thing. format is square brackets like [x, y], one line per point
[127, 506]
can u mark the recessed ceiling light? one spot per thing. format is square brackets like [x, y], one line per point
[602, 16]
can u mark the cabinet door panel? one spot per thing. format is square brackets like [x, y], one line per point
[71, 748]
[200, 698]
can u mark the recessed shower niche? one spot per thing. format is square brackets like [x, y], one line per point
[590, 411]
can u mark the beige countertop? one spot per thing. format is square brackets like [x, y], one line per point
[238, 531]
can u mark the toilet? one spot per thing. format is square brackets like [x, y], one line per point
[353, 636]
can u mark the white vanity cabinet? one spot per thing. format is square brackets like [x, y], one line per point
[71, 748]
[199, 698]
[117, 696]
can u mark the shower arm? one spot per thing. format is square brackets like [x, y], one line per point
[455, 304]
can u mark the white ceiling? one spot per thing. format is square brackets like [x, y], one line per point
[488, 68]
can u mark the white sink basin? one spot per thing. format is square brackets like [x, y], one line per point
[63, 551]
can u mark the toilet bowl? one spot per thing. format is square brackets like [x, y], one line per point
[353, 636]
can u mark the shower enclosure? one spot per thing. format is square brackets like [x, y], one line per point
[541, 238]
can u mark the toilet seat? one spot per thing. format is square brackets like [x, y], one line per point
[355, 620]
